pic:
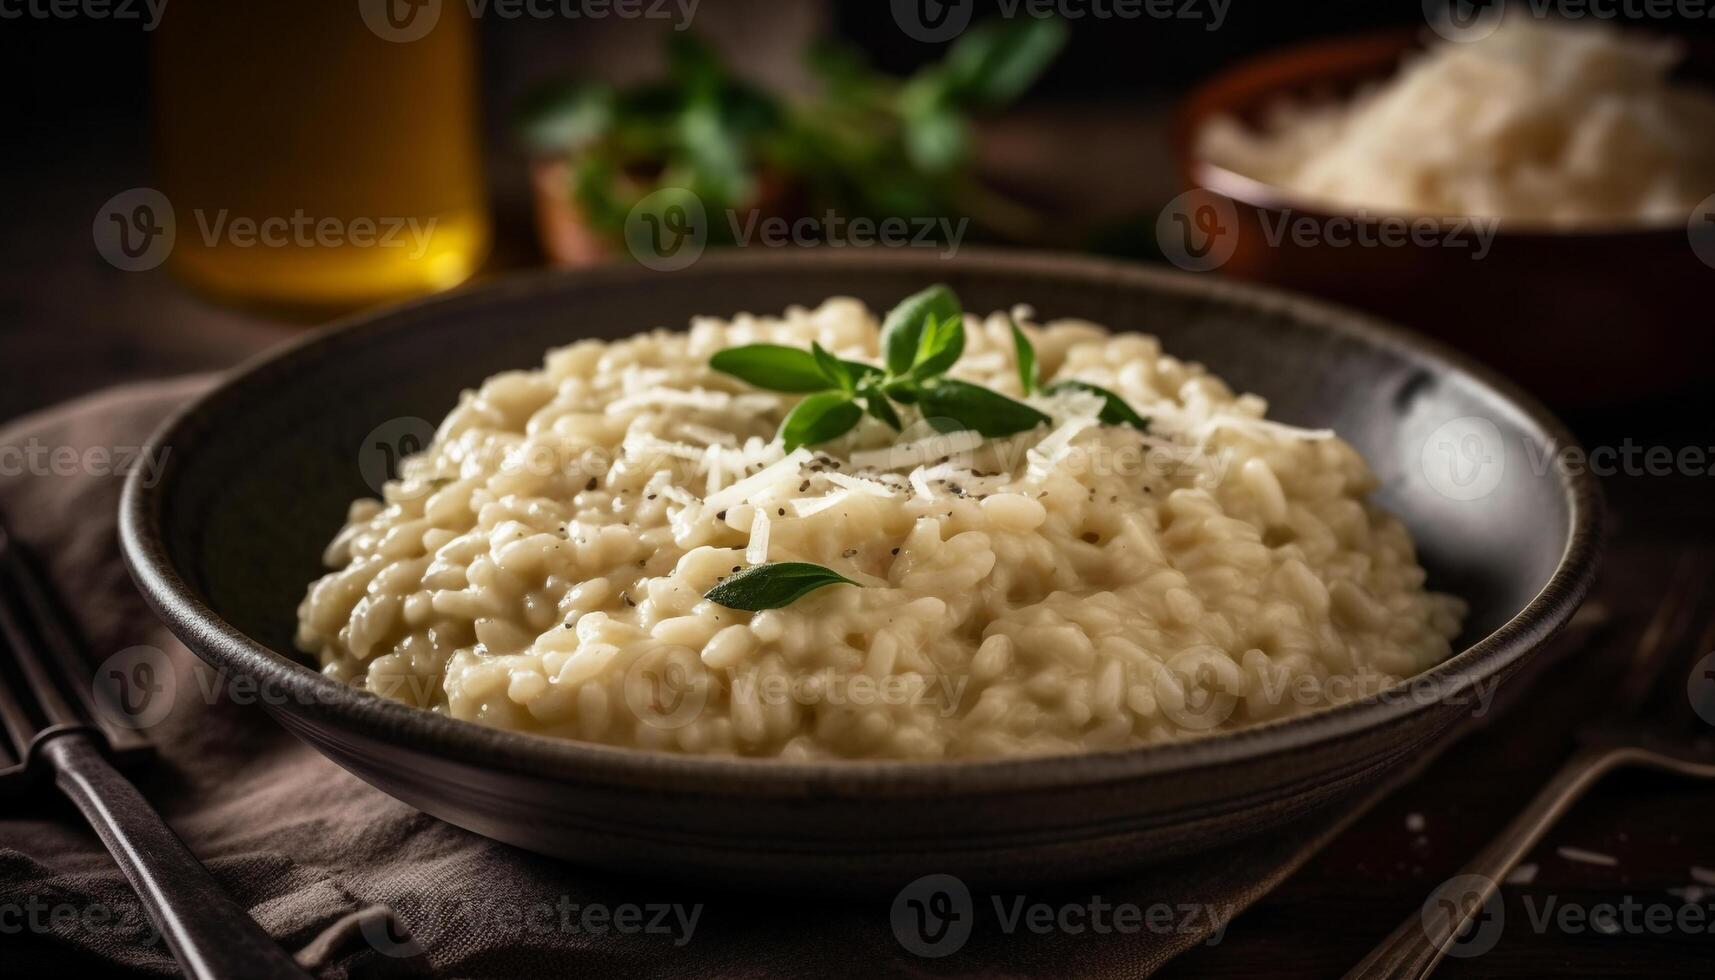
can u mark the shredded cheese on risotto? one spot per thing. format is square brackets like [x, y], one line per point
[541, 566]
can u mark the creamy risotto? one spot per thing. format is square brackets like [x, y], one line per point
[1541, 121]
[1081, 585]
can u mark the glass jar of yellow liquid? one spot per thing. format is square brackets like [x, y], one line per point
[319, 154]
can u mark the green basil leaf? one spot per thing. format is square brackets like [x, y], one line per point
[818, 418]
[715, 151]
[875, 403]
[833, 368]
[772, 366]
[862, 371]
[941, 345]
[565, 116]
[989, 413]
[994, 62]
[902, 331]
[936, 138]
[903, 391]
[1115, 411]
[773, 585]
[1028, 375]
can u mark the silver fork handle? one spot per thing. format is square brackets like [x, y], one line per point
[1412, 951]
[212, 938]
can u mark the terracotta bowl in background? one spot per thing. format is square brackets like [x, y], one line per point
[1580, 317]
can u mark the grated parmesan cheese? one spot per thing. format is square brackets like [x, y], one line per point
[698, 398]
[756, 483]
[860, 484]
[707, 435]
[713, 462]
[1054, 447]
[1545, 121]
[807, 506]
[920, 484]
[760, 528]
[637, 446]
[921, 451]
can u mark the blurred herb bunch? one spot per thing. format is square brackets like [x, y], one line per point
[866, 144]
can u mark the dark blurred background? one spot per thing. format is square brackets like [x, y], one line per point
[79, 92]
[1090, 141]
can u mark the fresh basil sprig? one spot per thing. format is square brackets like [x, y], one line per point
[921, 339]
[968, 406]
[1114, 411]
[773, 585]
[902, 331]
[820, 417]
[780, 368]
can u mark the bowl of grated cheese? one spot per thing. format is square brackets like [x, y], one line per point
[1540, 196]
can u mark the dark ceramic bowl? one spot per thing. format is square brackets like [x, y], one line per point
[261, 470]
[1579, 317]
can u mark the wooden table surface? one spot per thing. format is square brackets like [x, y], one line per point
[69, 324]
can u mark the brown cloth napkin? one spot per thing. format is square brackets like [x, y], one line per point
[360, 885]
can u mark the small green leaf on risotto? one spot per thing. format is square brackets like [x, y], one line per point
[1115, 411]
[876, 405]
[773, 585]
[833, 369]
[902, 331]
[818, 418]
[1028, 375]
[989, 413]
[941, 344]
[775, 367]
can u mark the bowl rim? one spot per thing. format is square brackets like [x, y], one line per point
[1212, 96]
[299, 689]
